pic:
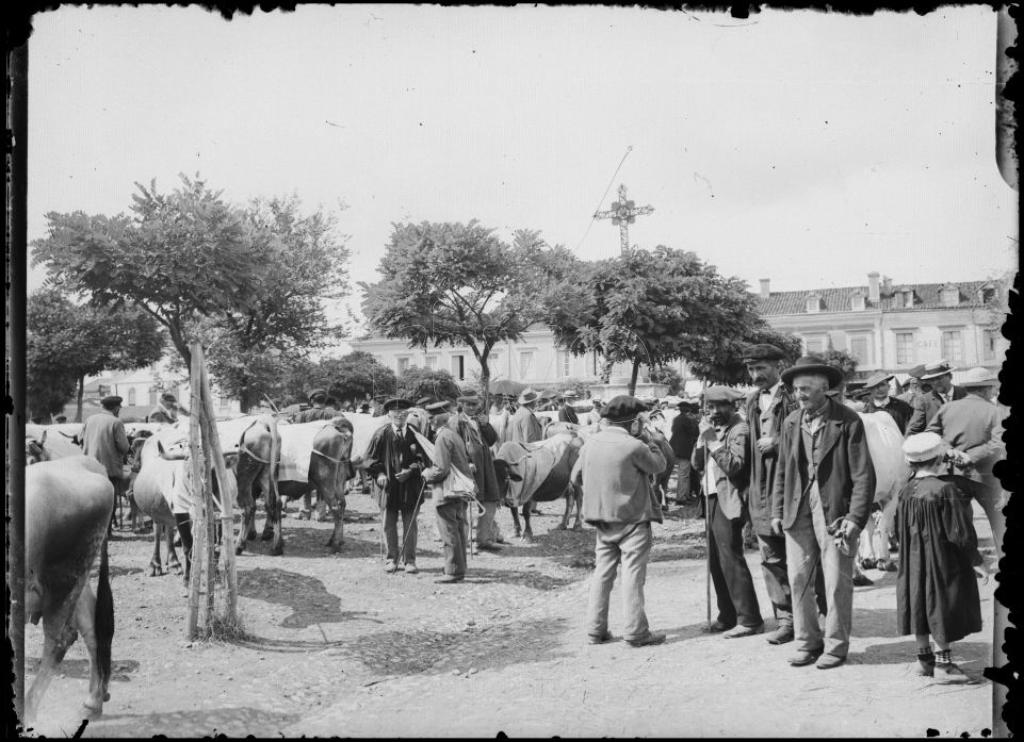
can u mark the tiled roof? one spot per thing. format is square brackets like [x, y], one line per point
[926, 296]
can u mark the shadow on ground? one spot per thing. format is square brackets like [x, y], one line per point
[230, 721]
[521, 578]
[971, 656]
[307, 597]
[79, 669]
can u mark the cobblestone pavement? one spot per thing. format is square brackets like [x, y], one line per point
[335, 646]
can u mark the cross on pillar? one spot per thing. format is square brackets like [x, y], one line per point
[623, 213]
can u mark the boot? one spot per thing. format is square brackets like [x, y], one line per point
[925, 667]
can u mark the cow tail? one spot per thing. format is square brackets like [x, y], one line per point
[104, 617]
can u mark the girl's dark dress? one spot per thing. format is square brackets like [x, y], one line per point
[936, 588]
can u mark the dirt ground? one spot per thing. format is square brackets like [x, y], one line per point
[334, 646]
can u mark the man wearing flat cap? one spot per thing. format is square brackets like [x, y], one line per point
[972, 427]
[104, 438]
[878, 398]
[721, 457]
[940, 377]
[318, 409]
[684, 435]
[479, 435]
[767, 407]
[394, 461]
[449, 502]
[821, 500]
[616, 465]
[524, 427]
[166, 410]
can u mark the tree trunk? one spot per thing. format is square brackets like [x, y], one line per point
[633, 377]
[81, 394]
[247, 400]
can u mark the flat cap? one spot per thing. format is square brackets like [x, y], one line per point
[762, 352]
[622, 408]
[437, 408]
[397, 403]
[112, 401]
[424, 401]
[715, 394]
[916, 371]
[318, 395]
[876, 379]
[923, 447]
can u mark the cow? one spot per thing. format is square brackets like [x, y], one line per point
[68, 503]
[309, 455]
[44, 444]
[529, 472]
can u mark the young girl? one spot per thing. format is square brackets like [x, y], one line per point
[936, 586]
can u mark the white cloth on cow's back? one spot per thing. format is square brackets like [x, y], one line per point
[296, 448]
[57, 444]
[363, 428]
[885, 444]
[544, 456]
[230, 431]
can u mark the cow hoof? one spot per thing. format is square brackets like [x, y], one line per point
[251, 536]
[267, 536]
[239, 550]
[561, 527]
[277, 552]
[527, 539]
[577, 527]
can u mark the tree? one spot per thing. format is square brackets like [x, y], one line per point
[649, 307]
[458, 284]
[667, 375]
[424, 382]
[350, 378]
[724, 363]
[841, 360]
[65, 343]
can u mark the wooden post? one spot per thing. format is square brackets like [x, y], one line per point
[227, 504]
[199, 520]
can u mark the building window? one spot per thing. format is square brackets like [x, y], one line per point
[860, 349]
[153, 395]
[430, 363]
[905, 349]
[988, 294]
[563, 364]
[857, 302]
[813, 303]
[953, 346]
[950, 295]
[459, 367]
[525, 364]
[131, 396]
[989, 345]
[402, 365]
[814, 344]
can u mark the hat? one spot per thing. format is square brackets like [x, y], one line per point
[688, 404]
[112, 401]
[978, 377]
[397, 403]
[935, 370]
[876, 379]
[437, 407]
[813, 365]
[916, 371]
[762, 352]
[168, 397]
[622, 409]
[569, 394]
[318, 395]
[715, 394]
[923, 447]
[470, 397]
[528, 397]
[424, 401]
[547, 394]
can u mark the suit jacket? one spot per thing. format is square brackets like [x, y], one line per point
[845, 474]
[616, 469]
[972, 425]
[479, 436]
[734, 467]
[524, 427]
[763, 466]
[926, 406]
[567, 414]
[104, 439]
[388, 453]
[684, 435]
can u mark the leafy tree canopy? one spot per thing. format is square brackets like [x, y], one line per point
[417, 382]
[724, 363]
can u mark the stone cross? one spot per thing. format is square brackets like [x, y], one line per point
[623, 213]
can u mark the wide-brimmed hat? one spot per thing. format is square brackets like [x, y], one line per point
[424, 401]
[877, 378]
[935, 370]
[978, 377]
[916, 371]
[715, 394]
[437, 408]
[763, 352]
[622, 409]
[923, 447]
[397, 403]
[813, 365]
[528, 397]
[168, 397]
[469, 397]
[568, 394]
[112, 401]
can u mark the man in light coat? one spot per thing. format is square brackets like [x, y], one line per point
[926, 404]
[524, 426]
[821, 500]
[616, 465]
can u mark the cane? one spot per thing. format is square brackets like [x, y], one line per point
[707, 535]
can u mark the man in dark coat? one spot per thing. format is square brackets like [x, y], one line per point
[722, 459]
[394, 461]
[318, 409]
[479, 435]
[940, 377]
[913, 385]
[878, 398]
[766, 409]
[821, 500]
[566, 413]
[684, 436]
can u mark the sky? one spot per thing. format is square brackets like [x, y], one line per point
[804, 147]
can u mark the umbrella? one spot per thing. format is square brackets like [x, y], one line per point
[506, 387]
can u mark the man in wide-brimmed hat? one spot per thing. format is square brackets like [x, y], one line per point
[939, 376]
[394, 460]
[104, 438]
[479, 435]
[524, 427]
[767, 407]
[877, 397]
[166, 410]
[913, 385]
[566, 413]
[722, 460]
[616, 465]
[972, 427]
[821, 500]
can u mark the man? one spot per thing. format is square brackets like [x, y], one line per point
[449, 499]
[684, 436]
[524, 427]
[394, 460]
[166, 410]
[973, 429]
[913, 385]
[824, 487]
[940, 377]
[722, 458]
[478, 434]
[877, 398]
[566, 413]
[104, 438]
[318, 409]
[766, 410]
[616, 465]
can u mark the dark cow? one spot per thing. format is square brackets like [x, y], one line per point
[330, 468]
[67, 508]
[539, 472]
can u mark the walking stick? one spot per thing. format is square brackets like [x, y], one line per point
[707, 535]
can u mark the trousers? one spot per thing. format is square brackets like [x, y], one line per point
[485, 528]
[734, 587]
[776, 578]
[410, 530]
[629, 546]
[453, 527]
[809, 549]
[682, 480]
